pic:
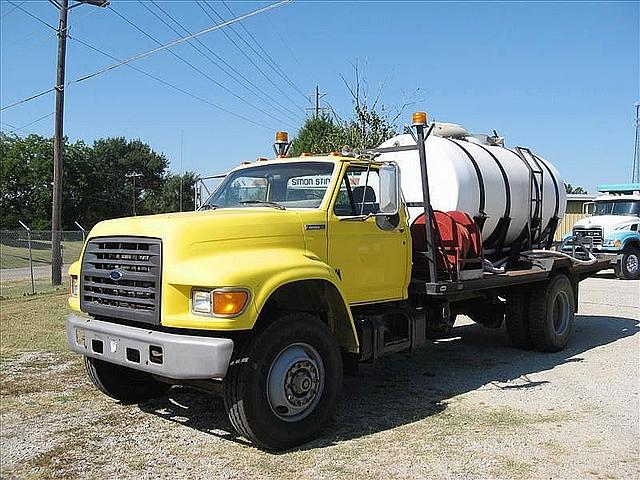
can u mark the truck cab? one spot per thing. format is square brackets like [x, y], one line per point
[611, 228]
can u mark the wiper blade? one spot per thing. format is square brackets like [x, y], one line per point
[263, 202]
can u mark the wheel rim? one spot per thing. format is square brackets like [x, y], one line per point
[632, 264]
[295, 382]
[561, 313]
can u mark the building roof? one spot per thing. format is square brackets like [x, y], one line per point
[580, 197]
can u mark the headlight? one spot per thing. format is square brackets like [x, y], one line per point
[201, 302]
[73, 288]
[224, 302]
[617, 243]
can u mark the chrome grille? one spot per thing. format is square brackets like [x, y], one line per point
[121, 278]
[595, 234]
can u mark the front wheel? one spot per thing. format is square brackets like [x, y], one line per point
[629, 266]
[122, 383]
[282, 388]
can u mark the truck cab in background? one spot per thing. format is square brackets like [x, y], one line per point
[611, 229]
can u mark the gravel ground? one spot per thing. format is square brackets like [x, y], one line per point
[468, 406]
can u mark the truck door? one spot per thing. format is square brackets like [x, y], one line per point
[370, 256]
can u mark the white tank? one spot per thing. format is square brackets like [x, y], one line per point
[464, 175]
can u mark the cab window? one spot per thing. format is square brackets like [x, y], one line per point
[358, 193]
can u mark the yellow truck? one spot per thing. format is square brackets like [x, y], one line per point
[293, 271]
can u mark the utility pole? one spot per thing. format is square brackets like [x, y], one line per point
[56, 213]
[181, 172]
[58, 141]
[318, 101]
[635, 169]
[134, 175]
[317, 109]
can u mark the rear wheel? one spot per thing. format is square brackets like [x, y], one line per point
[122, 383]
[282, 388]
[552, 314]
[629, 266]
[517, 319]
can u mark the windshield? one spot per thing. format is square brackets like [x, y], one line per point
[286, 185]
[618, 207]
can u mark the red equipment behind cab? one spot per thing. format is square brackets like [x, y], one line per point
[459, 237]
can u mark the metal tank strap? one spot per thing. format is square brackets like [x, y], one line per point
[507, 186]
[499, 234]
[480, 219]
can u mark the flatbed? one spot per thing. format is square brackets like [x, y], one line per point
[509, 279]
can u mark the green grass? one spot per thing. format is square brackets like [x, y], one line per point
[33, 324]
[21, 288]
[16, 257]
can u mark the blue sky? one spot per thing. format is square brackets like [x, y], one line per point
[561, 78]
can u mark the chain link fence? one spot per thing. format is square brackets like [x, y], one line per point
[25, 259]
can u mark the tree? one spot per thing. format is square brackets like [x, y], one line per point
[576, 190]
[26, 171]
[113, 189]
[370, 124]
[96, 180]
[167, 198]
[318, 135]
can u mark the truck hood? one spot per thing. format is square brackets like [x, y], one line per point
[608, 223]
[187, 234]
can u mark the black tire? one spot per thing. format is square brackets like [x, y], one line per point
[122, 383]
[629, 266]
[552, 314]
[246, 394]
[517, 319]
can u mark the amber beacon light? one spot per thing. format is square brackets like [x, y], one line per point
[419, 118]
[281, 145]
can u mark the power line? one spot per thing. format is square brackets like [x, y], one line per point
[22, 128]
[21, 39]
[275, 103]
[39, 119]
[35, 17]
[149, 52]
[272, 63]
[286, 45]
[241, 50]
[204, 74]
[171, 85]
[15, 7]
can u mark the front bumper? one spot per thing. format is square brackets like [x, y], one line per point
[182, 356]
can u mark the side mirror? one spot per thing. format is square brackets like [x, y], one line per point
[389, 198]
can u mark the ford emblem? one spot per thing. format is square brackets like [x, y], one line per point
[115, 275]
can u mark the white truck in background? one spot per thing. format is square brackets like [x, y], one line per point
[611, 228]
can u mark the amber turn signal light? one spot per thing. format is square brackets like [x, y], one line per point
[230, 302]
